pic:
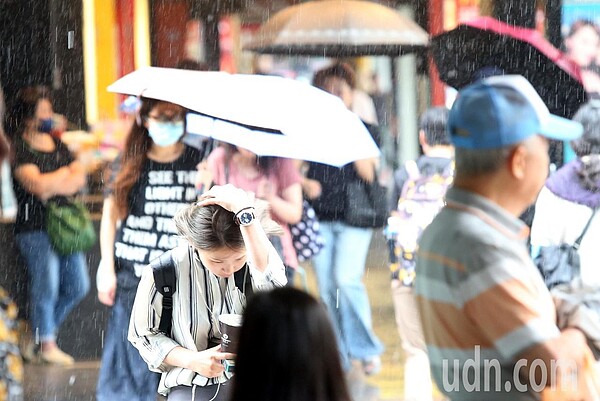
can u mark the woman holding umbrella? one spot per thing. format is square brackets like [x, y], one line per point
[340, 264]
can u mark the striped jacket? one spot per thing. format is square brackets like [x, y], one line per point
[197, 304]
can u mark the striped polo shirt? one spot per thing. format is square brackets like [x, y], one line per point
[481, 299]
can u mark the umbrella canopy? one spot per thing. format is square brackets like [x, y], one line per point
[339, 28]
[270, 116]
[486, 43]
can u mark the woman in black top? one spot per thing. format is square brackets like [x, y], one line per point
[44, 169]
[153, 178]
[341, 263]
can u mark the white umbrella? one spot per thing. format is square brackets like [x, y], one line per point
[270, 116]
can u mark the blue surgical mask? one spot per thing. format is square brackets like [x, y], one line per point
[45, 125]
[165, 133]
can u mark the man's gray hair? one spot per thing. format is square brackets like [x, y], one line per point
[475, 162]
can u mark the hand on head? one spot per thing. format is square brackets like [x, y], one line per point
[228, 197]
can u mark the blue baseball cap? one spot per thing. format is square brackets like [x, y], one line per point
[503, 110]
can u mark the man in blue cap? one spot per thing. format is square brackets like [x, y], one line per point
[488, 320]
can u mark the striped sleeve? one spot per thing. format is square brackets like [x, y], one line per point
[272, 277]
[152, 345]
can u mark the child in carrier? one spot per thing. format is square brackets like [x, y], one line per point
[417, 196]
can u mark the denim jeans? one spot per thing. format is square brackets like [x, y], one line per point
[340, 267]
[124, 376]
[56, 283]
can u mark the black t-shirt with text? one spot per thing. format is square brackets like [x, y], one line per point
[161, 190]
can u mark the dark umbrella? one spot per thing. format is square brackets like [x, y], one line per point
[485, 46]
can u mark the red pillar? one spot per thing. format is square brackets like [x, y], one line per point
[125, 24]
[436, 26]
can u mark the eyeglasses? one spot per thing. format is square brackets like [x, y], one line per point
[166, 118]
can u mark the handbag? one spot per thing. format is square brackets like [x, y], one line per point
[69, 226]
[366, 204]
[560, 264]
[306, 235]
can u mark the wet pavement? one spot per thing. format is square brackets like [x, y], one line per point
[77, 383]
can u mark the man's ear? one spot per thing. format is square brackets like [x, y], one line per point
[423, 141]
[517, 161]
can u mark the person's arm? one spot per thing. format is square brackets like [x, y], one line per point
[208, 363]
[567, 351]
[66, 180]
[106, 278]
[288, 206]
[526, 331]
[365, 169]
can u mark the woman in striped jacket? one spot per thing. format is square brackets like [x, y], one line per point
[222, 236]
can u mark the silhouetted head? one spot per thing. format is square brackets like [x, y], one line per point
[288, 350]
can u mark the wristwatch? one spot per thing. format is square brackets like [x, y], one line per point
[245, 216]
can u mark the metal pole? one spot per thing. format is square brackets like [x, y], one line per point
[394, 121]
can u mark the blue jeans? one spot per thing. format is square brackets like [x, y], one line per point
[340, 267]
[56, 283]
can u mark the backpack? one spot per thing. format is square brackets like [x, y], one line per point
[421, 199]
[165, 280]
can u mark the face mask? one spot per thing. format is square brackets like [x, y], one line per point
[45, 125]
[165, 133]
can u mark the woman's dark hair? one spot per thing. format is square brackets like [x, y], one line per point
[288, 351]
[587, 147]
[133, 157]
[339, 70]
[264, 163]
[190, 64]
[433, 123]
[589, 116]
[24, 109]
[582, 23]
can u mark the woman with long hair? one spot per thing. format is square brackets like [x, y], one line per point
[287, 351]
[151, 180]
[225, 256]
[44, 169]
[566, 203]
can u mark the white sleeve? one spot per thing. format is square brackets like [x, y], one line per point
[144, 334]
[272, 277]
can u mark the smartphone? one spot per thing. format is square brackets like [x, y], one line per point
[229, 365]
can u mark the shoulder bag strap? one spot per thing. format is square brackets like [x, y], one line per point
[578, 240]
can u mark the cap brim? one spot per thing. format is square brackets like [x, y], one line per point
[561, 129]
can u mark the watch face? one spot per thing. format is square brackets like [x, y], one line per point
[246, 218]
